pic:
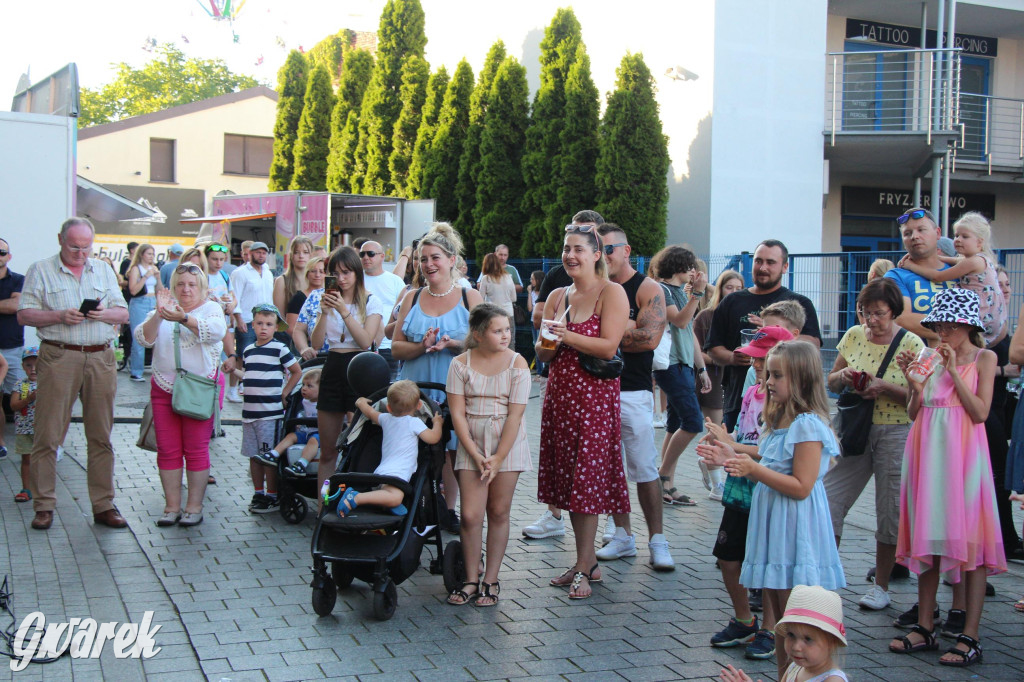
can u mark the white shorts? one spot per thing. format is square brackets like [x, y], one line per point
[638, 450]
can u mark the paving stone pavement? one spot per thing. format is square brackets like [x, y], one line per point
[233, 600]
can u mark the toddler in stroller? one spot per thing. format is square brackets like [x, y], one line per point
[304, 435]
[399, 450]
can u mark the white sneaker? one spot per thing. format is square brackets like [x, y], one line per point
[547, 526]
[876, 599]
[661, 558]
[609, 530]
[716, 492]
[232, 395]
[621, 545]
[660, 420]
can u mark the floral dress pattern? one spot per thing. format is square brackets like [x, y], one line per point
[580, 439]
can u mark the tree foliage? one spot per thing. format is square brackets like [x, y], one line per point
[331, 52]
[415, 74]
[498, 213]
[436, 87]
[167, 81]
[469, 164]
[573, 173]
[355, 76]
[441, 165]
[543, 138]
[314, 133]
[401, 34]
[291, 91]
[632, 163]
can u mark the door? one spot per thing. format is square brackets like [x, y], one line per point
[874, 88]
[974, 74]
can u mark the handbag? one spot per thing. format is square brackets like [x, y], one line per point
[852, 422]
[147, 433]
[193, 396]
[595, 366]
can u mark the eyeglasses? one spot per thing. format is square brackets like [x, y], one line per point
[874, 315]
[609, 249]
[79, 249]
[4, 252]
[187, 267]
[913, 214]
[217, 247]
[369, 254]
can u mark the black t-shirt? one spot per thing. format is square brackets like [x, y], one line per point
[556, 278]
[12, 334]
[126, 291]
[295, 305]
[731, 317]
[636, 367]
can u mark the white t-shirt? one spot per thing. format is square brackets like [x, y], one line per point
[386, 287]
[335, 325]
[150, 281]
[401, 445]
[219, 284]
[251, 288]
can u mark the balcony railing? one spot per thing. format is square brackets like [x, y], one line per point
[992, 131]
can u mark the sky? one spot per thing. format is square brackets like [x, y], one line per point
[101, 33]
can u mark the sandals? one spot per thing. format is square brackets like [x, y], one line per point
[565, 580]
[465, 596]
[347, 502]
[1019, 606]
[969, 657]
[577, 582]
[928, 644]
[25, 495]
[485, 593]
[669, 496]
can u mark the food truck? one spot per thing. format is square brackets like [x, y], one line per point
[328, 219]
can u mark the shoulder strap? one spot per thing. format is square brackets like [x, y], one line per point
[226, 280]
[177, 347]
[891, 351]
[416, 296]
[512, 363]
[465, 299]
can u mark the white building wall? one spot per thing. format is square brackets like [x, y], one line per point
[766, 155]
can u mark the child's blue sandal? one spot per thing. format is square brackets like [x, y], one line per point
[347, 501]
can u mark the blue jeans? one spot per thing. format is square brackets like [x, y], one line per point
[243, 339]
[679, 385]
[138, 308]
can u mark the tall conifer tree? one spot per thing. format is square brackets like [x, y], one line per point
[441, 165]
[436, 87]
[355, 76]
[573, 174]
[314, 133]
[291, 90]
[415, 74]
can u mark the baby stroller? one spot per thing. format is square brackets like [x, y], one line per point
[371, 543]
[293, 490]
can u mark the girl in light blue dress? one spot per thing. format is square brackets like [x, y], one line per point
[790, 540]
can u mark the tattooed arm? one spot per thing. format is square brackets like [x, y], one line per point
[650, 320]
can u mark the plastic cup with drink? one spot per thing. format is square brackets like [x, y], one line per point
[924, 364]
[548, 340]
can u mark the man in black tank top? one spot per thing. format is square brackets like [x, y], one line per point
[643, 333]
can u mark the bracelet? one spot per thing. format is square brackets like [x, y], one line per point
[696, 295]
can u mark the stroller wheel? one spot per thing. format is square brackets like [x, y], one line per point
[342, 578]
[384, 603]
[324, 598]
[454, 567]
[294, 508]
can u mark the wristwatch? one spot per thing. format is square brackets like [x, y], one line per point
[701, 370]
[184, 320]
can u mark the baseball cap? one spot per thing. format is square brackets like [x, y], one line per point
[259, 245]
[177, 248]
[764, 340]
[30, 352]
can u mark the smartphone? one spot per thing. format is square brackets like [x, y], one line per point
[89, 305]
[330, 283]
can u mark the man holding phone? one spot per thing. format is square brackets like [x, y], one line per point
[76, 361]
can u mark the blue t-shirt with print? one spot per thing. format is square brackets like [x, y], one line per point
[918, 289]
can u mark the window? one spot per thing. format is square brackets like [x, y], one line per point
[161, 160]
[247, 154]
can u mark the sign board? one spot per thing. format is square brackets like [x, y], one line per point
[910, 37]
[887, 202]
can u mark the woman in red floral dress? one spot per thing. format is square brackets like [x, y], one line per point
[580, 452]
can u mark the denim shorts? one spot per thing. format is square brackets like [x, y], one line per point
[680, 388]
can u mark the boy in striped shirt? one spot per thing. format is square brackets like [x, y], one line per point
[264, 364]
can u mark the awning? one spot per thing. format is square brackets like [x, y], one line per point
[227, 218]
[96, 202]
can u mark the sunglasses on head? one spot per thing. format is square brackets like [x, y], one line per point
[913, 214]
[369, 254]
[217, 247]
[580, 228]
[187, 267]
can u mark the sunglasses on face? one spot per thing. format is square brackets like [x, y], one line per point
[609, 249]
[4, 252]
[369, 254]
[915, 214]
[217, 247]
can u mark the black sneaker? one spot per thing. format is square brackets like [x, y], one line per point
[954, 625]
[264, 505]
[452, 523]
[257, 500]
[755, 600]
[909, 618]
[734, 634]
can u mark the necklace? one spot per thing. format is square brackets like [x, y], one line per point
[450, 290]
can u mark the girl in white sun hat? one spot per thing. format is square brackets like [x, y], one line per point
[813, 631]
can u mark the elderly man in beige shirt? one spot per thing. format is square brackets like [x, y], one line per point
[76, 360]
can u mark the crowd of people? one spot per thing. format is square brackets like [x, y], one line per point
[740, 368]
